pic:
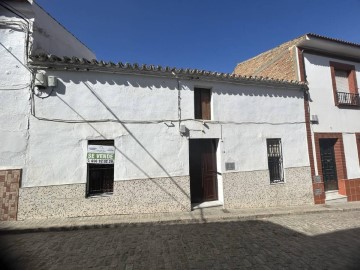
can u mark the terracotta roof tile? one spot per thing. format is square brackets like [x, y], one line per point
[334, 39]
[53, 61]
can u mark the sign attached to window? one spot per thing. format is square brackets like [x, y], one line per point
[100, 154]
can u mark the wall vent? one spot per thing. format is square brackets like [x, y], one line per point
[229, 166]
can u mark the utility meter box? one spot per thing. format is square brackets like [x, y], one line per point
[40, 80]
[52, 81]
[182, 129]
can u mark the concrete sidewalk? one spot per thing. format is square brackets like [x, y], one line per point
[204, 215]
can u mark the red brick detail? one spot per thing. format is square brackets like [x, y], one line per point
[351, 75]
[9, 192]
[307, 113]
[351, 188]
[339, 155]
[342, 186]
[319, 198]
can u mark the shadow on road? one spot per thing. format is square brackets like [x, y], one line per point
[226, 245]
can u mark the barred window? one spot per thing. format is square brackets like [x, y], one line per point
[100, 167]
[275, 164]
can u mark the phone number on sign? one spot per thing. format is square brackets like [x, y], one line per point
[100, 161]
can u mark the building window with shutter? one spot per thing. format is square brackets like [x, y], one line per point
[202, 101]
[344, 84]
[275, 163]
[100, 167]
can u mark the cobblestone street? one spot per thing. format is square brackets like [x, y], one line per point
[311, 241]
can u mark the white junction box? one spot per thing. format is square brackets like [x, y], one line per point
[52, 81]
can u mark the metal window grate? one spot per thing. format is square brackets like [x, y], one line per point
[274, 152]
[100, 177]
[348, 99]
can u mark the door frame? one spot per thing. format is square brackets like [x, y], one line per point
[339, 154]
[219, 184]
[328, 146]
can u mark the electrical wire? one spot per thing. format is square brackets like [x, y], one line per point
[71, 121]
[52, 90]
[163, 121]
[22, 16]
[17, 88]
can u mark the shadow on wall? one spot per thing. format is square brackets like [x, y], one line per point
[135, 81]
[139, 143]
[225, 245]
[152, 83]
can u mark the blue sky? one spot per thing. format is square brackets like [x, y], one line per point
[211, 35]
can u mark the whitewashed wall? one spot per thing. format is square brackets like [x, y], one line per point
[57, 150]
[14, 93]
[52, 38]
[331, 117]
[322, 98]
[351, 155]
[46, 36]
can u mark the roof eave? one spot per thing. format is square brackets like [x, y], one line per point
[331, 46]
[75, 64]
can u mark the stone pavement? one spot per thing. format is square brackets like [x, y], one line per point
[315, 240]
[204, 215]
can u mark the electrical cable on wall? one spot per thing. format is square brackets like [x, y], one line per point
[25, 86]
[22, 16]
[52, 90]
[71, 121]
[179, 96]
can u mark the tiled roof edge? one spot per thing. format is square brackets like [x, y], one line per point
[297, 39]
[334, 39]
[44, 60]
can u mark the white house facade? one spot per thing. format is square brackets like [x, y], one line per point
[84, 137]
[330, 67]
[24, 29]
[180, 138]
[334, 101]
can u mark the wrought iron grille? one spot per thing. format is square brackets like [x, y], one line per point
[348, 99]
[100, 178]
[275, 160]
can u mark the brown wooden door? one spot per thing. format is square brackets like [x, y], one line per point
[328, 164]
[209, 172]
[203, 171]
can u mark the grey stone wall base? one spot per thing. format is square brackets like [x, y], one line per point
[160, 195]
[253, 189]
[130, 196]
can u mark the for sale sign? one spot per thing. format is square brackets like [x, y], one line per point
[101, 154]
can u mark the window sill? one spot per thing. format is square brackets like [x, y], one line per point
[348, 106]
[277, 183]
[100, 195]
